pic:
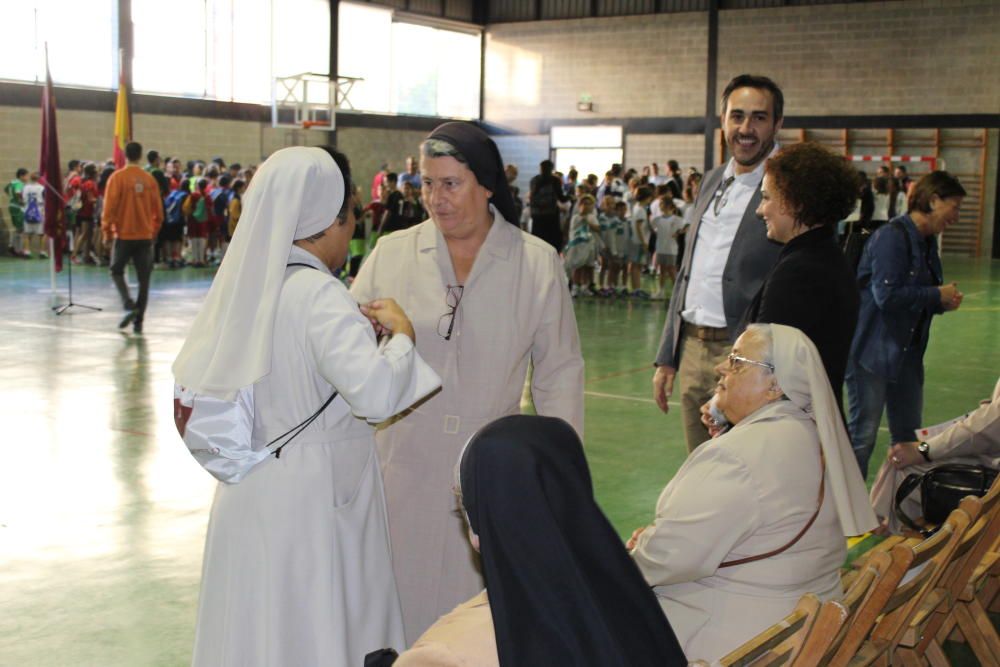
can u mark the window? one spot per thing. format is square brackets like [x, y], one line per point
[31, 24]
[227, 49]
[591, 149]
[408, 67]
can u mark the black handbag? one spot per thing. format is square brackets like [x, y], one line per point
[941, 490]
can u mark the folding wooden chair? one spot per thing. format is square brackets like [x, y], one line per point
[885, 614]
[780, 643]
[962, 584]
[835, 616]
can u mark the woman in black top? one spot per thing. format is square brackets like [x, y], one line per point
[806, 190]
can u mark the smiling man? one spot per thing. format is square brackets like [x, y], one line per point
[729, 257]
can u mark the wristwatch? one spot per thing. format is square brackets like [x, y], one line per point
[925, 451]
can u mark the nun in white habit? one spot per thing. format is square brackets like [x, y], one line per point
[297, 567]
[756, 517]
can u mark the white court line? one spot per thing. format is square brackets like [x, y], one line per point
[53, 327]
[620, 397]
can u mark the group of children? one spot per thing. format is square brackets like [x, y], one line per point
[202, 203]
[26, 206]
[631, 232]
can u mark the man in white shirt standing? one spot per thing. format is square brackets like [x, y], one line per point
[728, 258]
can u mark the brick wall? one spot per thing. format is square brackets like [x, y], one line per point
[912, 57]
[630, 66]
[87, 135]
[643, 149]
[524, 152]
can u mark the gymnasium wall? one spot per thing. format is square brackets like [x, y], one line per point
[839, 65]
[88, 134]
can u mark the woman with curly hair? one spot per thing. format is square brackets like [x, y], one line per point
[806, 191]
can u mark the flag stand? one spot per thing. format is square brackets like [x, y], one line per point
[60, 310]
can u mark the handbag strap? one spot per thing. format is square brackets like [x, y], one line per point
[909, 484]
[805, 528]
[309, 420]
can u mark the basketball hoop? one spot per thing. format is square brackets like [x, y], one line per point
[309, 101]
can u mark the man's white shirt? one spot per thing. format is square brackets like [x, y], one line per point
[703, 303]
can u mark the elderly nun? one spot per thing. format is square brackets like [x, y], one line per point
[757, 517]
[297, 567]
[487, 299]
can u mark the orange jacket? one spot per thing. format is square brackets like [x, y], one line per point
[132, 207]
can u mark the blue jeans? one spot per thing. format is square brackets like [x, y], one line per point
[868, 394]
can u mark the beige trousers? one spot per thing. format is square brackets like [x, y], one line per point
[697, 378]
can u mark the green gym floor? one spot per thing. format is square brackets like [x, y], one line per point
[103, 512]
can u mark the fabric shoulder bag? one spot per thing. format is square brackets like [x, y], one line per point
[941, 490]
[219, 433]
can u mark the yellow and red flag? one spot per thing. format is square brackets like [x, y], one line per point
[50, 173]
[123, 123]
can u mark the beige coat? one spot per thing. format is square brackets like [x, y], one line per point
[973, 440]
[743, 494]
[462, 638]
[515, 307]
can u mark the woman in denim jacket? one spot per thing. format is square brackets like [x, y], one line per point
[901, 290]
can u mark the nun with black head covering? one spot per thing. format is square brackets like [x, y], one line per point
[486, 299]
[297, 567]
[560, 587]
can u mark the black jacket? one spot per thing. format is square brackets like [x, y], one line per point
[812, 288]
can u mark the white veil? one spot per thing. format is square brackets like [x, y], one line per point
[296, 193]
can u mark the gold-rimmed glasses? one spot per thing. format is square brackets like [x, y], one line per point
[735, 361]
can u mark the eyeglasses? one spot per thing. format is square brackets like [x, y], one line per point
[722, 196]
[736, 360]
[451, 299]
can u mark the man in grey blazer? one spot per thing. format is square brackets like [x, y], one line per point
[728, 256]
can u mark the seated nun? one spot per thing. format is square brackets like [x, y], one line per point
[972, 440]
[756, 517]
[297, 569]
[560, 588]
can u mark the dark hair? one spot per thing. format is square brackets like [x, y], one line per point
[90, 169]
[202, 183]
[673, 166]
[644, 192]
[235, 165]
[133, 151]
[674, 190]
[901, 168]
[185, 185]
[239, 184]
[102, 180]
[760, 83]
[345, 169]
[939, 183]
[820, 187]
[212, 171]
[392, 177]
[73, 164]
[881, 185]
[152, 156]
[21, 172]
[546, 166]
[225, 180]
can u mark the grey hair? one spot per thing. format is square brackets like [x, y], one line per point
[440, 148]
[763, 333]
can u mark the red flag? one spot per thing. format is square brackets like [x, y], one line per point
[123, 123]
[50, 173]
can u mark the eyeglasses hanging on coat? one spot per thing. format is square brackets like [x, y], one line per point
[446, 323]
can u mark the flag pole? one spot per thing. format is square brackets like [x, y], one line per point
[55, 205]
